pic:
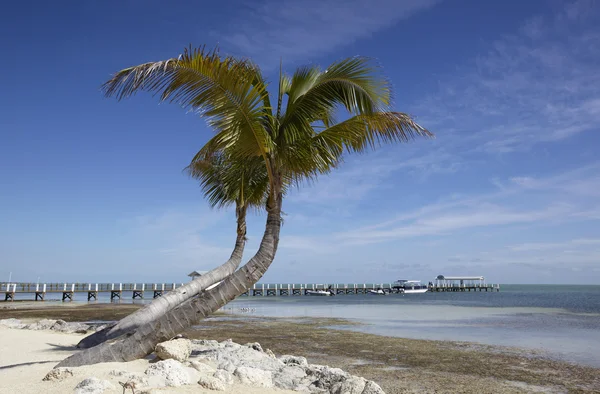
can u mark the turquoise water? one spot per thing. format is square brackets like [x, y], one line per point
[562, 322]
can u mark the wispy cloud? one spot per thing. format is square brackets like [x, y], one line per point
[537, 246]
[364, 175]
[268, 30]
[537, 85]
[564, 197]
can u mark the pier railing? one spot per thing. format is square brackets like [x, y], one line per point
[139, 290]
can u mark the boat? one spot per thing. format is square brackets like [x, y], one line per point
[323, 293]
[377, 292]
[409, 286]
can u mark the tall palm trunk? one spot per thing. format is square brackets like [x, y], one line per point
[142, 342]
[172, 299]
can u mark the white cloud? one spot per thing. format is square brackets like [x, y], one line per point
[484, 215]
[268, 30]
[536, 86]
[539, 246]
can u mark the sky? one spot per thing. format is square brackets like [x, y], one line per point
[92, 189]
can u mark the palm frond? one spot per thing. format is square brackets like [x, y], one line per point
[353, 83]
[362, 132]
[225, 181]
[230, 93]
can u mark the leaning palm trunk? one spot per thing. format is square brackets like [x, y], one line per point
[172, 299]
[142, 342]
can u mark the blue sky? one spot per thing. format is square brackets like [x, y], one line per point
[93, 190]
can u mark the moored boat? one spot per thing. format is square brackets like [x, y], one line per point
[377, 292]
[409, 286]
[323, 293]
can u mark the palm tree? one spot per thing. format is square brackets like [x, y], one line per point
[297, 139]
[224, 183]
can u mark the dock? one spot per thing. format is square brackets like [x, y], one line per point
[140, 291]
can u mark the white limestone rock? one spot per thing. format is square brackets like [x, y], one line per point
[254, 376]
[12, 323]
[211, 383]
[201, 367]
[291, 378]
[224, 376]
[44, 324]
[324, 377]
[134, 377]
[254, 345]
[93, 386]
[178, 349]
[372, 388]
[63, 326]
[352, 385]
[293, 360]
[58, 374]
[229, 343]
[226, 366]
[238, 356]
[174, 373]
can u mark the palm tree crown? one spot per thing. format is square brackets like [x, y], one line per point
[297, 139]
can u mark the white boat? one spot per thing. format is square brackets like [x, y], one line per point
[409, 286]
[377, 292]
[323, 293]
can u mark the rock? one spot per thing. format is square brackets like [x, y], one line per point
[372, 388]
[174, 373]
[135, 377]
[254, 376]
[178, 349]
[201, 367]
[211, 383]
[229, 343]
[240, 356]
[58, 374]
[270, 353]
[12, 323]
[352, 385]
[227, 366]
[63, 326]
[293, 360]
[224, 376]
[59, 325]
[323, 377]
[93, 386]
[44, 324]
[205, 342]
[255, 345]
[290, 378]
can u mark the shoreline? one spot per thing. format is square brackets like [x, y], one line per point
[399, 365]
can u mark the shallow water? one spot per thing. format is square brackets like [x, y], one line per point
[561, 321]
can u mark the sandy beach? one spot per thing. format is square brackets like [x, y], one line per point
[27, 356]
[398, 365]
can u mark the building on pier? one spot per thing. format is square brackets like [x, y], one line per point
[459, 281]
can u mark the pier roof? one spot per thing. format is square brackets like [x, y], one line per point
[193, 274]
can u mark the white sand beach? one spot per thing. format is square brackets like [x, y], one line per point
[26, 356]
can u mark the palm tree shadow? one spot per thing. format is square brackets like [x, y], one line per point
[25, 364]
[61, 348]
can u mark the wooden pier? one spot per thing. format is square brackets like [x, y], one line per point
[138, 291]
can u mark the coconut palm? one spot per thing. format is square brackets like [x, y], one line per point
[224, 183]
[297, 139]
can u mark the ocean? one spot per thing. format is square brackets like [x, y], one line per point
[560, 321]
